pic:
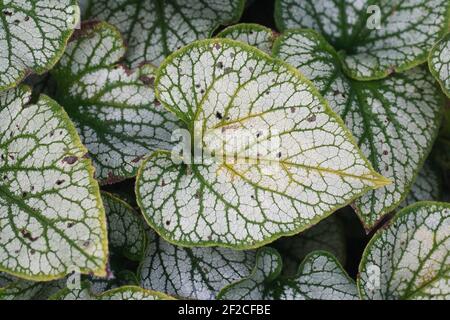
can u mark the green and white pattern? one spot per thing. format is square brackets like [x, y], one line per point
[33, 36]
[319, 277]
[298, 165]
[328, 235]
[253, 34]
[52, 221]
[375, 37]
[122, 293]
[126, 230]
[155, 28]
[427, 186]
[192, 273]
[113, 108]
[394, 120]
[439, 62]
[410, 258]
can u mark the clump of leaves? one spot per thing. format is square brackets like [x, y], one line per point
[170, 149]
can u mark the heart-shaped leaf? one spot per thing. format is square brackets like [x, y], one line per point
[427, 186]
[394, 120]
[122, 293]
[33, 35]
[328, 235]
[439, 62]
[376, 37]
[155, 28]
[51, 216]
[113, 108]
[193, 273]
[126, 231]
[409, 259]
[253, 34]
[283, 160]
[127, 238]
[319, 277]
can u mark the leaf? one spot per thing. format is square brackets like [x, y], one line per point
[113, 108]
[122, 293]
[328, 235]
[319, 277]
[427, 186]
[191, 273]
[125, 228]
[409, 258]
[374, 38]
[295, 161]
[12, 288]
[252, 34]
[51, 214]
[33, 35]
[155, 28]
[439, 63]
[394, 120]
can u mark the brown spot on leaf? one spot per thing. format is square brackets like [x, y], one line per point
[149, 81]
[137, 159]
[70, 159]
[312, 118]
[27, 235]
[157, 103]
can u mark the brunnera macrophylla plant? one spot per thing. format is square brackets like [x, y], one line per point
[167, 149]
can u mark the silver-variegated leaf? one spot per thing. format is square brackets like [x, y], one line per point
[283, 159]
[409, 259]
[439, 63]
[52, 221]
[155, 28]
[319, 277]
[114, 109]
[252, 34]
[33, 36]
[395, 120]
[192, 273]
[374, 38]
